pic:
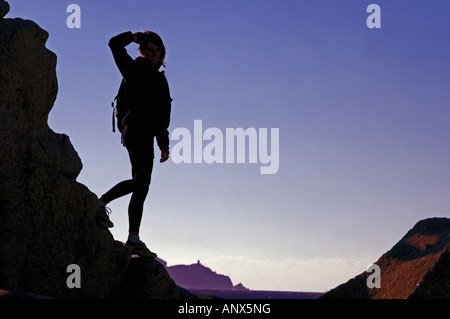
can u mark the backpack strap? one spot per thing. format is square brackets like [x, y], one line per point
[113, 104]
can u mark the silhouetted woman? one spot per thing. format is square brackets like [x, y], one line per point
[148, 97]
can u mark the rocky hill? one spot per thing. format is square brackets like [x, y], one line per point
[418, 266]
[47, 218]
[198, 276]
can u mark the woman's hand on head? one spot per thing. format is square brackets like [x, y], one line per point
[136, 37]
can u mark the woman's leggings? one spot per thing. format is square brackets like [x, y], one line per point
[141, 158]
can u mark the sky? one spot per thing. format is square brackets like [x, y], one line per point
[362, 117]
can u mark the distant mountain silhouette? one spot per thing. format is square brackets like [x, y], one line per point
[198, 276]
[204, 283]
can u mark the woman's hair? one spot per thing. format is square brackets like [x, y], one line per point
[150, 36]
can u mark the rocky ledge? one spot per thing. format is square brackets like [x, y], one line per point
[47, 218]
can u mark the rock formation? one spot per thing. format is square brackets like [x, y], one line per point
[418, 266]
[198, 276]
[47, 218]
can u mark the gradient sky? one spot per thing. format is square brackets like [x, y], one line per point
[363, 116]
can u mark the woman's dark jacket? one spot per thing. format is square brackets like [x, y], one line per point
[147, 94]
